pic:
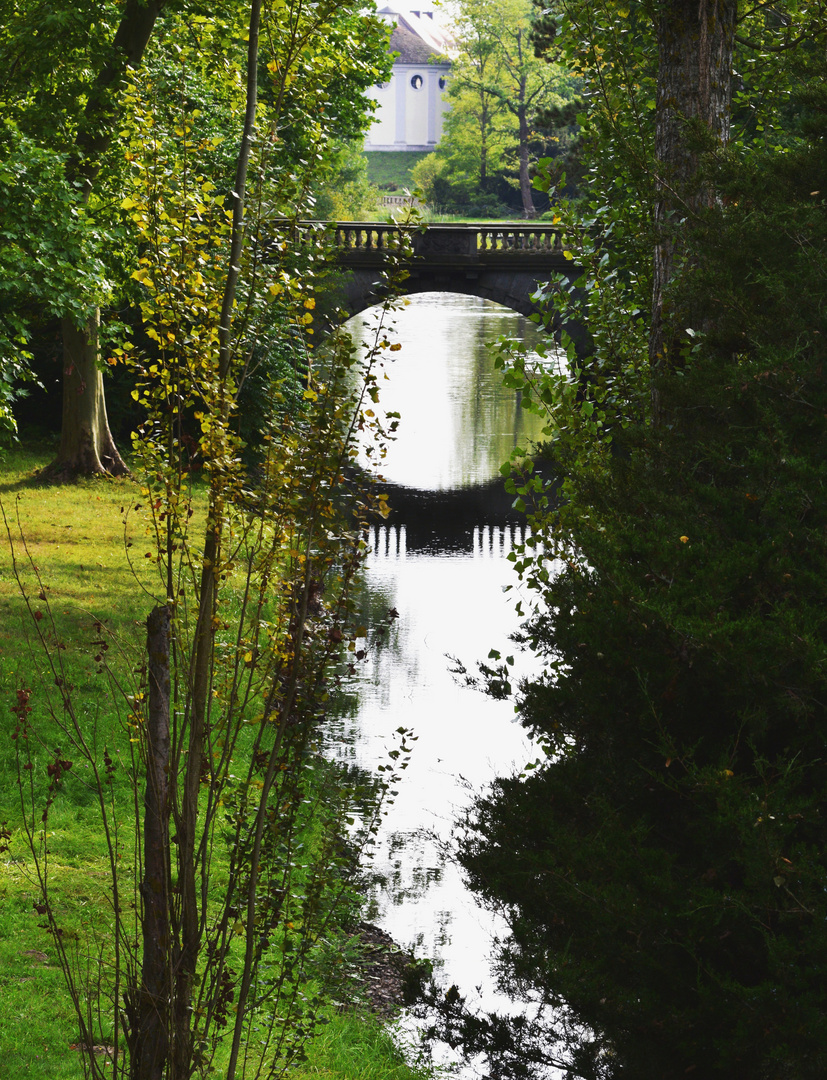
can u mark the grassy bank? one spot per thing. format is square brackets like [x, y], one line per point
[80, 554]
[390, 170]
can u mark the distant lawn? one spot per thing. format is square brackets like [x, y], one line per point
[393, 167]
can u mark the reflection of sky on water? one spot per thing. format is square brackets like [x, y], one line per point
[458, 426]
[451, 604]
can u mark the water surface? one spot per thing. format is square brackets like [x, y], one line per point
[441, 565]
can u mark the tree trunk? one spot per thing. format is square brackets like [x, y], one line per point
[204, 641]
[86, 444]
[529, 210]
[150, 1039]
[695, 42]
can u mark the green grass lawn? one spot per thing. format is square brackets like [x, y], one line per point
[393, 167]
[80, 552]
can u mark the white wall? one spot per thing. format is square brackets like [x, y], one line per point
[408, 118]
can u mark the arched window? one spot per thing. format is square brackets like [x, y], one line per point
[416, 82]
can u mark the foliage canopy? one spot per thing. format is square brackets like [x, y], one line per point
[662, 865]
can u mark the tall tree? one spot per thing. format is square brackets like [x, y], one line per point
[497, 87]
[662, 863]
[694, 91]
[476, 105]
[65, 70]
[70, 65]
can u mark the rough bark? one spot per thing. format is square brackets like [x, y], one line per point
[695, 43]
[86, 445]
[151, 1037]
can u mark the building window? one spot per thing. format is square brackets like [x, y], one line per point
[443, 82]
[416, 82]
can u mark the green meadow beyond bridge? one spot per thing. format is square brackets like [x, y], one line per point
[506, 263]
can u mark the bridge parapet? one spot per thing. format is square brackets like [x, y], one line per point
[361, 241]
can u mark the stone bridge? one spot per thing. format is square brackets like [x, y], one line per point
[504, 263]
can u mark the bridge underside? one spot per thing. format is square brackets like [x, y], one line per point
[361, 288]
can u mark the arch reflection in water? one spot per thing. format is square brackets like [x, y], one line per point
[486, 541]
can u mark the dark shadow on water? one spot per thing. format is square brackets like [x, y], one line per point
[439, 522]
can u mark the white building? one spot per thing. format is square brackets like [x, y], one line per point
[411, 106]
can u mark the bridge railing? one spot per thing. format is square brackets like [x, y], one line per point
[366, 236]
[518, 238]
[468, 240]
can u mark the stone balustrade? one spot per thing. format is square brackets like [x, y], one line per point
[474, 241]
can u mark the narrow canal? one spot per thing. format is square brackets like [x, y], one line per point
[441, 564]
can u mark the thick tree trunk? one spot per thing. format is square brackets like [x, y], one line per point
[529, 210]
[695, 42]
[86, 444]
